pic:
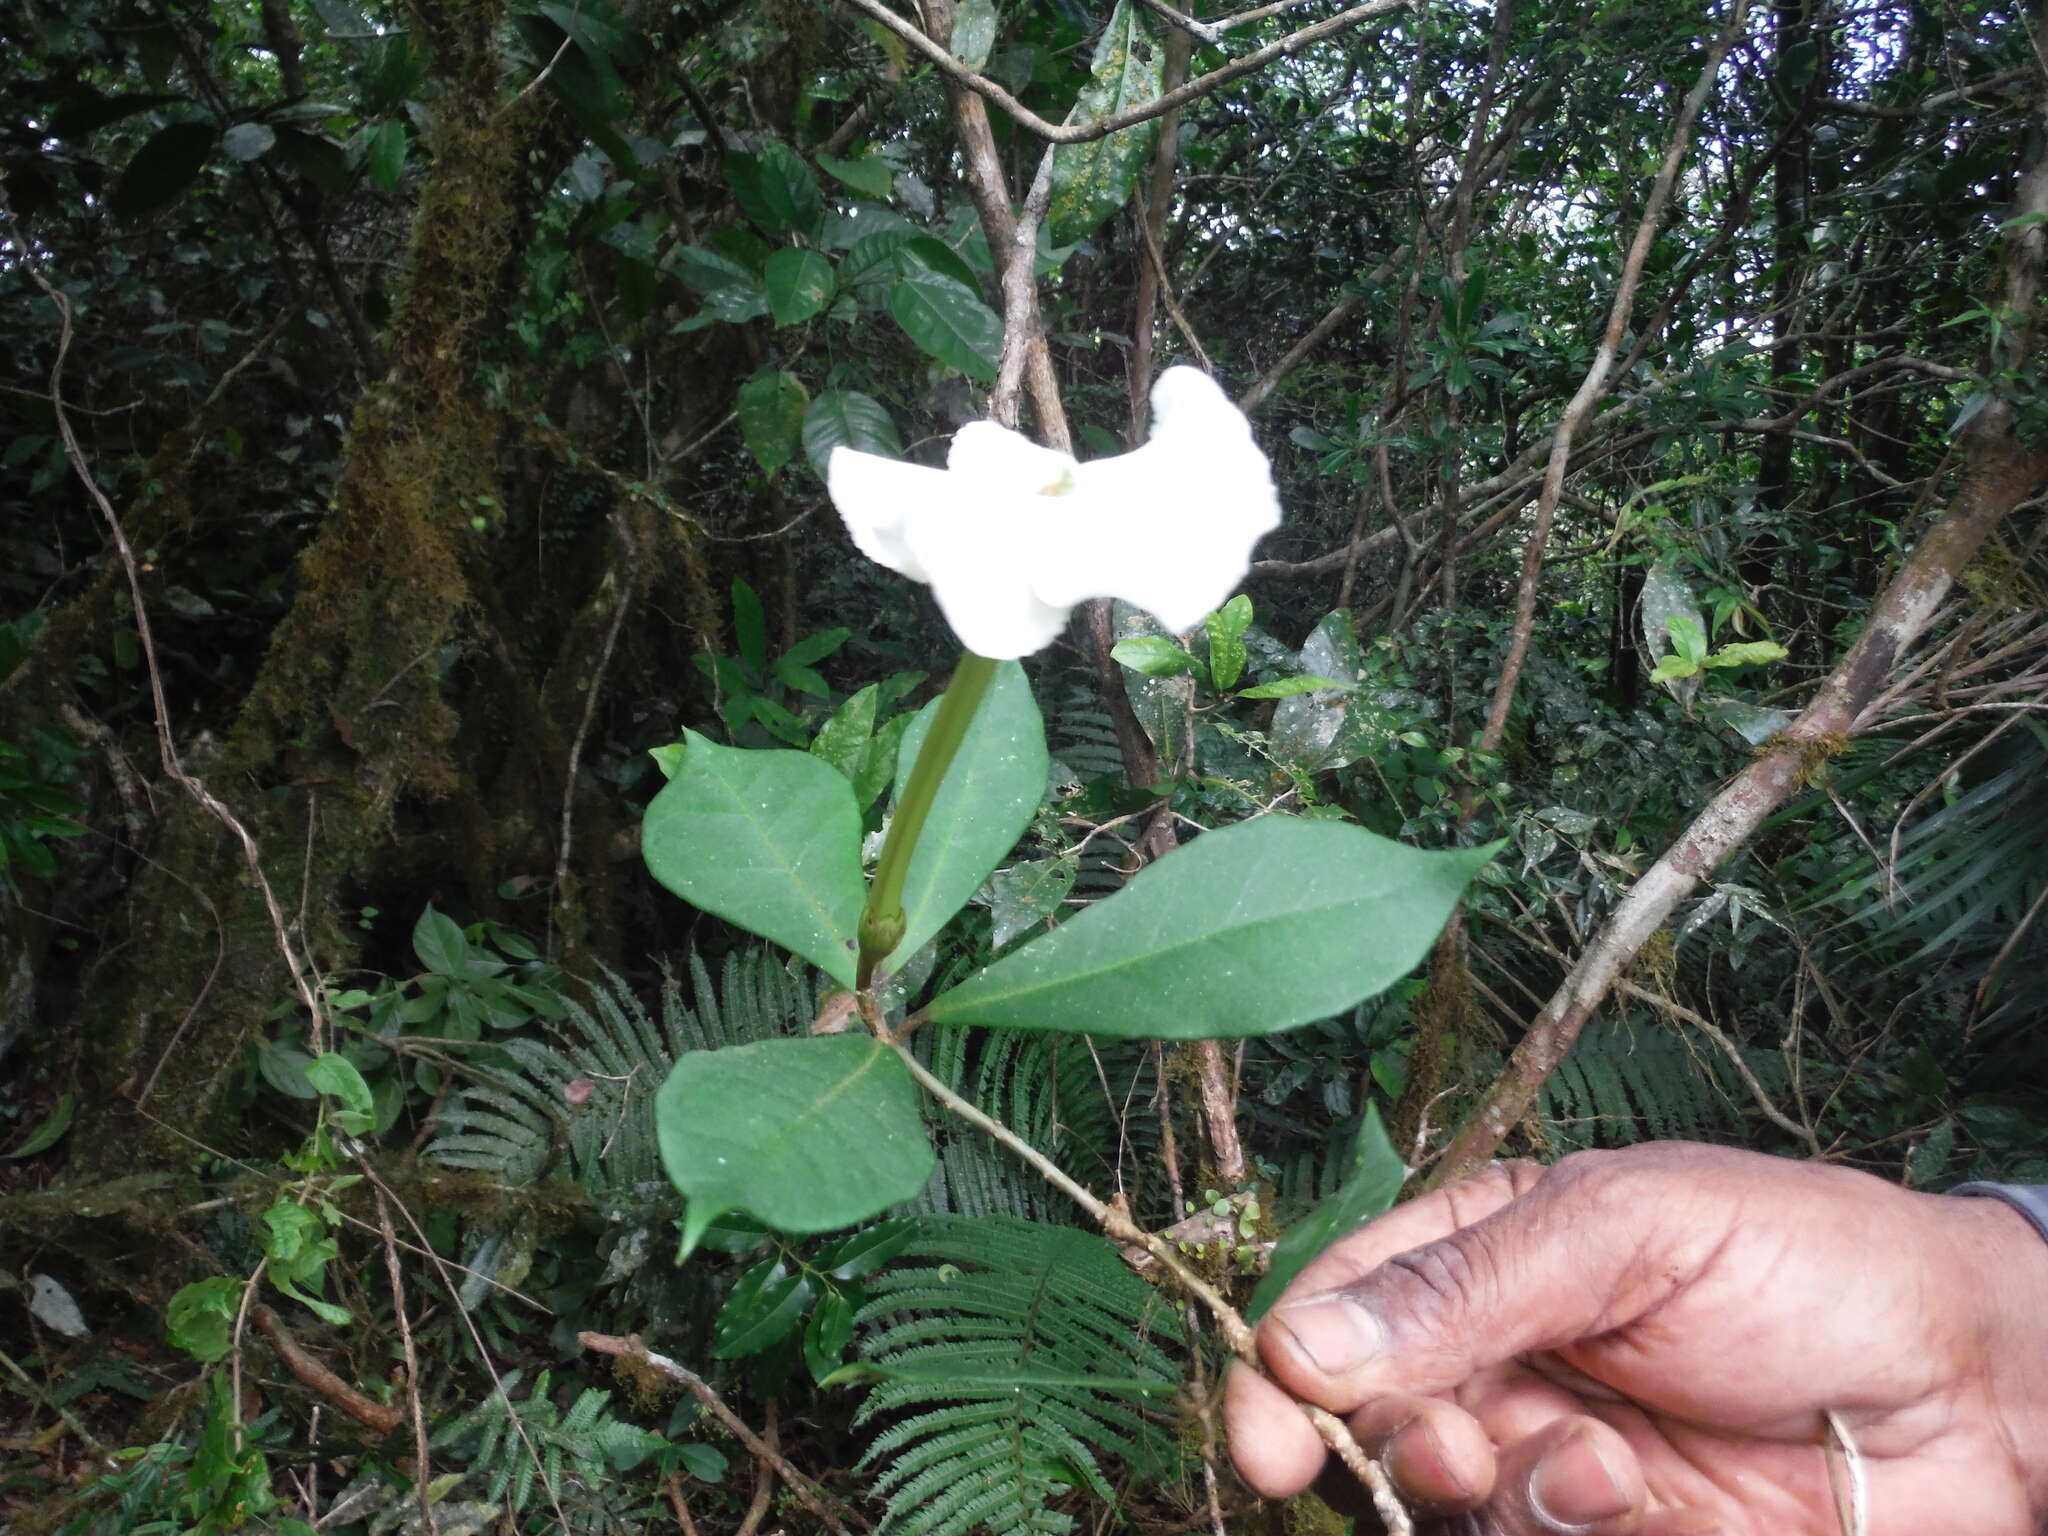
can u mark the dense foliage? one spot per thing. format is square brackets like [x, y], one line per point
[411, 444]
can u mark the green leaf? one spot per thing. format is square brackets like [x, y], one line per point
[706, 1463]
[974, 32]
[48, 1129]
[1288, 687]
[846, 417]
[866, 1251]
[1747, 653]
[815, 648]
[843, 740]
[921, 256]
[1153, 655]
[768, 840]
[201, 1316]
[948, 321]
[441, 945]
[749, 624]
[730, 292]
[1247, 931]
[1373, 1180]
[878, 768]
[1028, 893]
[776, 190]
[248, 141]
[1091, 181]
[1687, 638]
[162, 169]
[765, 1305]
[1673, 669]
[870, 175]
[1227, 626]
[829, 1332]
[333, 1073]
[386, 160]
[799, 285]
[771, 411]
[987, 800]
[805, 1134]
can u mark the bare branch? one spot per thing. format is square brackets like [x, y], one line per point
[1102, 127]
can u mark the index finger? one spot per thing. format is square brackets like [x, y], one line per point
[1422, 1220]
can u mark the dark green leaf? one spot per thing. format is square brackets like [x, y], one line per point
[949, 322]
[706, 1463]
[248, 141]
[805, 1134]
[1091, 181]
[846, 417]
[162, 169]
[771, 411]
[987, 800]
[799, 285]
[385, 162]
[870, 175]
[441, 945]
[749, 624]
[1247, 931]
[313, 156]
[866, 1251]
[974, 32]
[776, 190]
[1370, 1185]
[765, 1305]
[829, 1332]
[768, 840]
[48, 1129]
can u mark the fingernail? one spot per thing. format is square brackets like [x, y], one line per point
[1335, 1335]
[1571, 1486]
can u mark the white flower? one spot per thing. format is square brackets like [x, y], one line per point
[1010, 536]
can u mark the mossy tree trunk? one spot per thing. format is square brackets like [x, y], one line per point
[350, 714]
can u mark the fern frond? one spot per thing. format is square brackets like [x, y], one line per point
[1017, 1353]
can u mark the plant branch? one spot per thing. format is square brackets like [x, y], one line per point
[816, 1499]
[1102, 127]
[1595, 383]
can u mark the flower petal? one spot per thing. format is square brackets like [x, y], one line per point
[876, 496]
[993, 455]
[979, 548]
[1171, 526]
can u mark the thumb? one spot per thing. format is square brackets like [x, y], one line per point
[1578, 1255]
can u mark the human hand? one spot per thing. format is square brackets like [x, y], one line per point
[1647, 1343]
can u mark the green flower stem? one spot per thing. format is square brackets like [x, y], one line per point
[881, 922]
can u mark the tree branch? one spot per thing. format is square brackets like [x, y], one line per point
[1102, 127]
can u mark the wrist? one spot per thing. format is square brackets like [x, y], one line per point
[2007, 1258]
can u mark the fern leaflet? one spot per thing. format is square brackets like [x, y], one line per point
[1016, 1356]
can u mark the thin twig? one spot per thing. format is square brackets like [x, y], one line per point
[1102, 127]
[816, 1499]
[590, 696]
[422, 1479]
